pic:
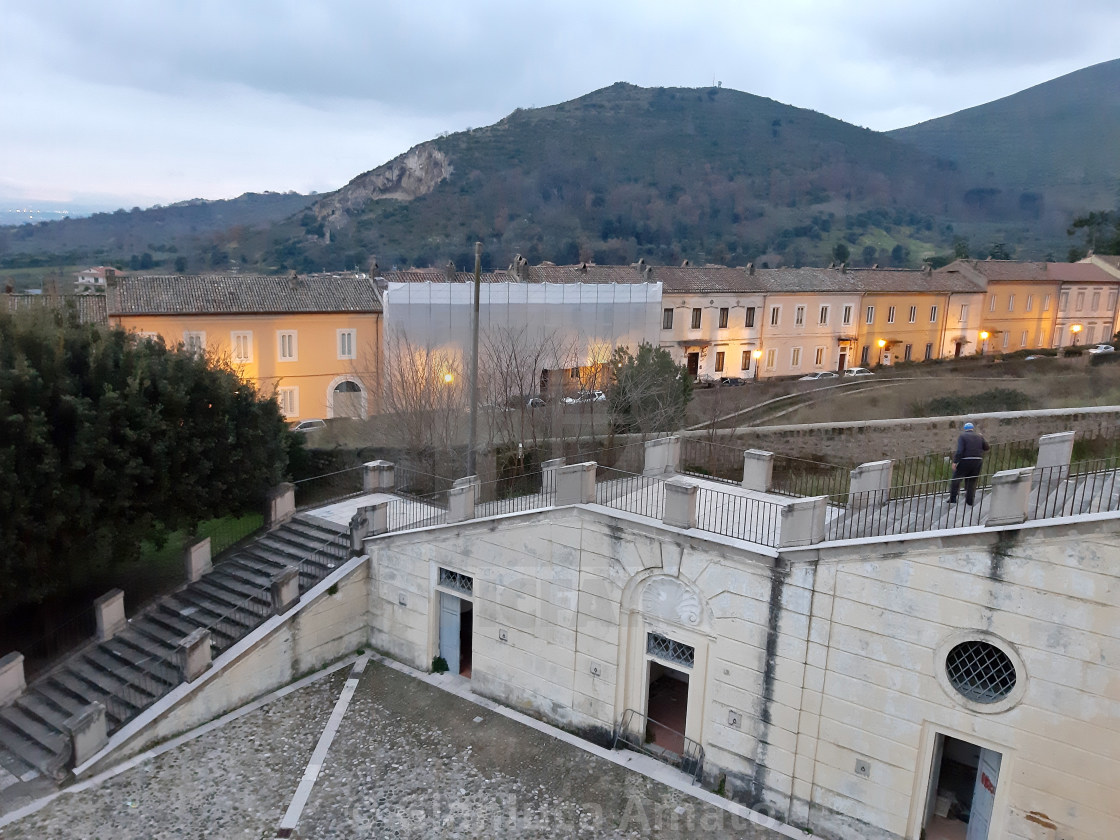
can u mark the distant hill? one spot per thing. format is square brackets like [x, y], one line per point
[197, 227]
[1055, 146]
[709, 175]
[668, 173]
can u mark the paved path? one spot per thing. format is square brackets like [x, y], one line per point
[407, 760]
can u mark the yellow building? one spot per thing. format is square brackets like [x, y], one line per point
[312, 341]
[908, 315]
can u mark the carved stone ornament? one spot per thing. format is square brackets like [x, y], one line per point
[670, 599]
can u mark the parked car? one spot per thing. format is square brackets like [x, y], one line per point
[819, 375]
[1101, 348]
[306, 426]
[585, 397]
[858, 372]
[732, 380]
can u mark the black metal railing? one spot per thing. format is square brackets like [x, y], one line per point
[1083, 487]
[329, 487]
[908, 509]
[802, 477]
[512, 494]
[638, 494]
[637, 732]
[416, 512]
[739, 516]
[934, 466]
[711, 460]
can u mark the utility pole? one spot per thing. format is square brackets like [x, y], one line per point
[474, 359]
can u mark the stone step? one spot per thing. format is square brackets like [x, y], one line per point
[14, 769]
[48, 737]
[28, 753]
[212, 590]
[59, 697]
[264, 562]
[41, 709]
[180, 618]
[142, 652]
[214, 614]
[139, 687]
[153, 632]
[296, 542]
[314, 525]
[85, 693]
[116, 690]
[233, 583]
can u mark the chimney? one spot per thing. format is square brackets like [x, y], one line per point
[843, 268]
[750, 269]
[685, 264]
[927, 269]
[647, 274]
[522, 268]
[640, 265]
[449, 272]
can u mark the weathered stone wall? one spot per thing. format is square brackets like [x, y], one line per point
[872, 440]
[805, 664]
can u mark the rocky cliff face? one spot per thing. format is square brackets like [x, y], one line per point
[413, 174]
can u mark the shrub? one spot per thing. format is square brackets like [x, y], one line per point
[994, 399]
[439, 665]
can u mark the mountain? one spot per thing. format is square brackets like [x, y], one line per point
[195, 226]
[665, 173]
[1054, 145]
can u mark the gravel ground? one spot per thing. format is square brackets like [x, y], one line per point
[408, 761]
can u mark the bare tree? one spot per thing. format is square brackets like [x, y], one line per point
[423, 401]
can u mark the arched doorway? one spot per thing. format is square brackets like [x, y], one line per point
[346, 399]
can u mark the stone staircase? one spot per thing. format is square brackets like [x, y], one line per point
[141, 663]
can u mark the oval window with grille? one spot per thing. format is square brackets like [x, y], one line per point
[980, 671]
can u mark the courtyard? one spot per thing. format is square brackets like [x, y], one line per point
[407, 759]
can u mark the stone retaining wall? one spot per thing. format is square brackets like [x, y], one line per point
[871, 440]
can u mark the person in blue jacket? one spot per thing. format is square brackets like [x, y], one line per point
[967, 462]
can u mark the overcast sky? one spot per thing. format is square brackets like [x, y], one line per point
[123, 102]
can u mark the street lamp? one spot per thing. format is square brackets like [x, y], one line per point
[448, 378]
[984, 335]
[1075, 329]
[882, 343]
[757, 354]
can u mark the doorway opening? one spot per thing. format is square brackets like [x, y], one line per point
[667, 708]
[693, 365]
[957, 347]
[456, 633]
[962, 790]
[843, 362]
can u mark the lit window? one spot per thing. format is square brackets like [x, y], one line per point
[870, 315]
[287, 341]
[242, 343]
[799, 316]
[289, 401]
[346, 344]
[696, 318]
[667, 319]
[723, 318]
[719, 362]
[913, 314]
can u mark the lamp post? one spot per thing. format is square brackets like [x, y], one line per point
[984, 336]
[882, 343]
[1076, 330]
[757, 362]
